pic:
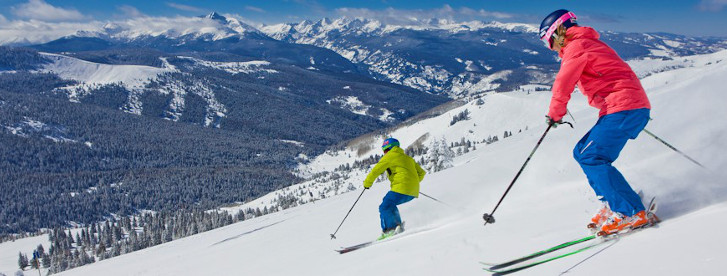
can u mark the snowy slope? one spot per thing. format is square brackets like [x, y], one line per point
[133, 76]
[136, 78]
[549, 204]
[93, 75]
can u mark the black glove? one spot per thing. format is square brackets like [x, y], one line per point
[550, 121]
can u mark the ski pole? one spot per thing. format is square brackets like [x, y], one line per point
[489, 218]
[437, 200]
[571, 116]
[673, 148]
[333, 236]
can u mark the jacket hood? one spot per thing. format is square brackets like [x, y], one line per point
[577, 32]
[396, 149]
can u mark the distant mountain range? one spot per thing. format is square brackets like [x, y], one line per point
[464, 58]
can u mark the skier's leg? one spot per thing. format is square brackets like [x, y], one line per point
[397, 216]
[387, 211]
[604, 143]
[578, 150]
[401, 200]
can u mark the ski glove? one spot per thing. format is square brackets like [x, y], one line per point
[550, 121]
[367, 185]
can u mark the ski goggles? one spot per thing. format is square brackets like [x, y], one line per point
[547, 35]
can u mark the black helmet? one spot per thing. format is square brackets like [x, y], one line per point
[551, 23]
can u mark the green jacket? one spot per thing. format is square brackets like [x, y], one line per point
[403, 172]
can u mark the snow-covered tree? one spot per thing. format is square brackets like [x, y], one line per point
[439, 156]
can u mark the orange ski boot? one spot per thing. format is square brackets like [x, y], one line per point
[618, 222]
[600, 217]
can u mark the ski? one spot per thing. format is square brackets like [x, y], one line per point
[397, 236]
[523, 267]
[362, 245]
[344, 250]
[541, 253]
[603, 238]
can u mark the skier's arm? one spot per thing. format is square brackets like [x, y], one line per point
[421, 172]
[571, 69]
[376, 171]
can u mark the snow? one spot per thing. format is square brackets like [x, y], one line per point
[28, 126]
[91, 74]
[134, 76]
[532, 52]
[674, 44]
[548, 205]
[466, 83]
[297, 143]
[9, 252]
[246, 67]
[356, 106]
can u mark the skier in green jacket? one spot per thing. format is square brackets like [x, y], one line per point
[405, 175]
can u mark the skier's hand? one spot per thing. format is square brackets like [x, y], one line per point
[551, 122]
[367, 185]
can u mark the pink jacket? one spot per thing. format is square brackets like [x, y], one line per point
[607, 81]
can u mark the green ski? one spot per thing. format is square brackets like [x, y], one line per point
[540, 253]
[519, 268]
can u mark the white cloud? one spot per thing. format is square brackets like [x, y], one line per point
[254, 9]
[184, 7]
[168, 25]
[23, 32]
[712, 5]
[401, 16]
[3, 20]
[40, 10]
[130, 11]
[35, 31]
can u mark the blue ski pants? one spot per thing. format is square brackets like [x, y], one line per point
[600, 147]
[388, 212]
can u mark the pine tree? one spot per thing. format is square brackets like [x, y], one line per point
[46, 261]
[101, 249]
[22, 261]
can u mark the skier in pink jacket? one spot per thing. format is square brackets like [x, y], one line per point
[613, 88]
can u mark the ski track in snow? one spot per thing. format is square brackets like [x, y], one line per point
[549, 204]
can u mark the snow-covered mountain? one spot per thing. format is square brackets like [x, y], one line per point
[210, 27]
[230, 94]
[463, 58]
[548, 205]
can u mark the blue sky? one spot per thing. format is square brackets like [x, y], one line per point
[697, 17]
